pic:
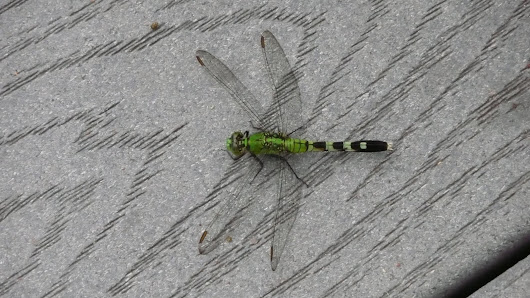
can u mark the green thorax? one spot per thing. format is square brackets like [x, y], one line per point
[264, 143]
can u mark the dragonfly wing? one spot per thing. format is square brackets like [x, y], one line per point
[289, 197]
[240, 93]
[286, 110]
[235, 200]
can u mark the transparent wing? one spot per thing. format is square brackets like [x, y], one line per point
[240, 93]
[234, 198]
[289, 196]
[285, 113]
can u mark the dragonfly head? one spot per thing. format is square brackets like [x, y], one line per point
[235, 145]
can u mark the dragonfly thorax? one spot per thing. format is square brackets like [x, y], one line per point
[261, 142]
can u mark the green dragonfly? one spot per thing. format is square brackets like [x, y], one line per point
[275, 126]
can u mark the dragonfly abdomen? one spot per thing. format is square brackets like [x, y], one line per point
[275, 143]
[359, 146]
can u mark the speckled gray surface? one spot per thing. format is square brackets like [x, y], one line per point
[112, 138]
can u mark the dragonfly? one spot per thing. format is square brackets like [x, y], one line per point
[273, 138]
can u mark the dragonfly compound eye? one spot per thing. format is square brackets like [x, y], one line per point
[234, 144]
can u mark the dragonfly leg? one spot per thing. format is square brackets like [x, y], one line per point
[234, 157]
[260, 163]
[254, 126]
[291, 168]
[298, 130]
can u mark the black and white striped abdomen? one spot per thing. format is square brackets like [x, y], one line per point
[360, 146]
